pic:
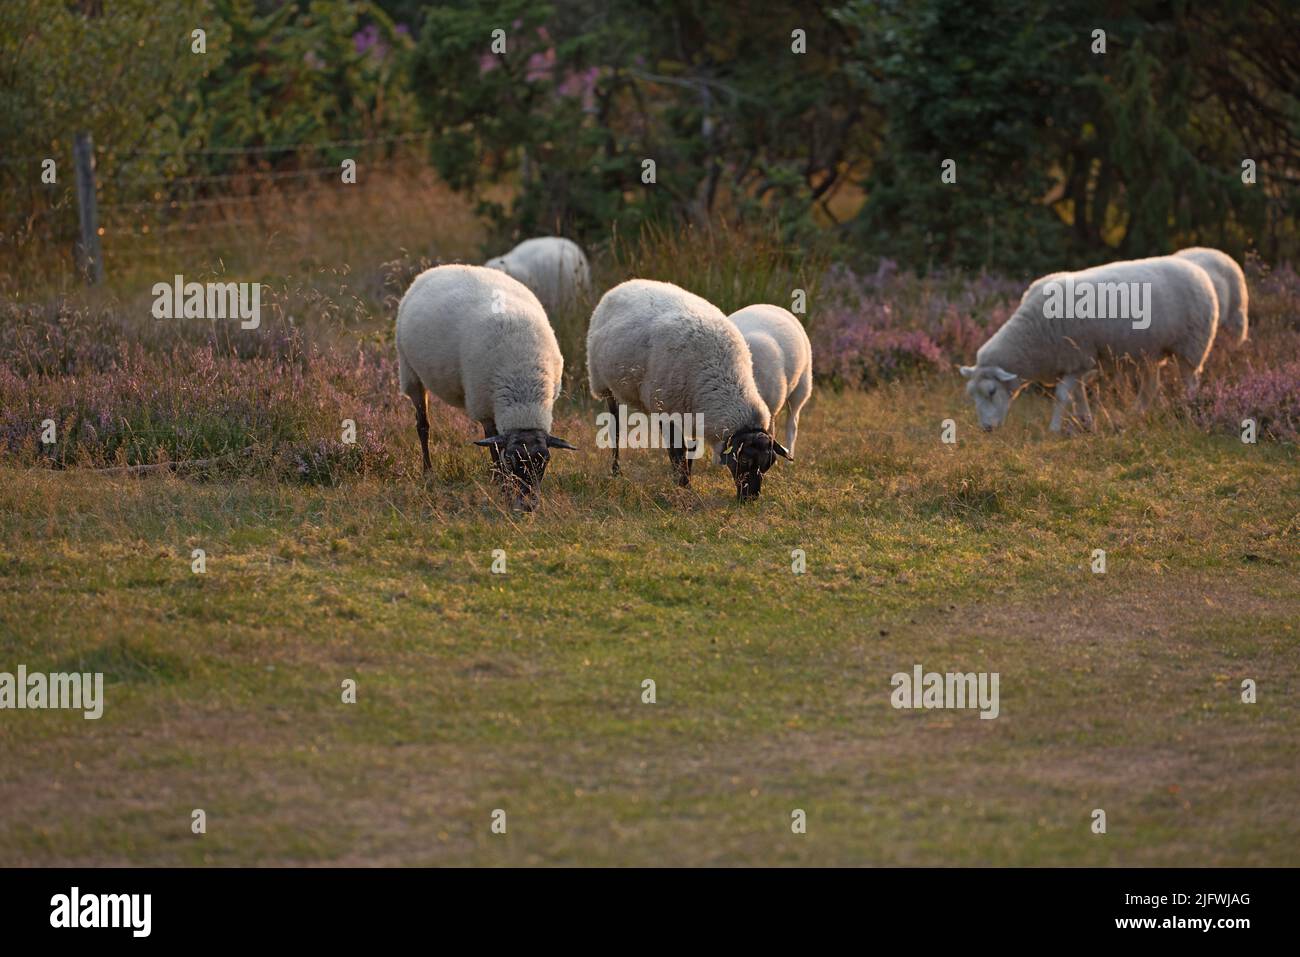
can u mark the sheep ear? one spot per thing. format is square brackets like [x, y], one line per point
[781, 450]
[553, 443]
[967, 371]
[491, 440]
[1004, 375]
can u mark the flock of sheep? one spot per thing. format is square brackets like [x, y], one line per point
[478, 337]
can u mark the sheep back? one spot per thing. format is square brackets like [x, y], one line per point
[654, 346]
[554, 268]
[504, 365]
[1183, 319]
[1229, 286]
[779, 347]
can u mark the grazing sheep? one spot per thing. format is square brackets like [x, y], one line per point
[479, 340]
[655, 347]
[554, 269]
[1144, 309]
[782, 358]
[1230, 288]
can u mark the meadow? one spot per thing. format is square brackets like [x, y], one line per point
[327, 560]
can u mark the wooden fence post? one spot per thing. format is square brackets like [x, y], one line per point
[90, 256]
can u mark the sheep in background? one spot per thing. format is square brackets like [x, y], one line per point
[655, 347]
[782, 358]
[1043, 343]
[479, 340]
[554, 269]
[1230, 288]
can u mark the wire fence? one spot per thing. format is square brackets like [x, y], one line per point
[38, 158]
[153, 206]
[286, 148]
[217, 238]
[216, 200]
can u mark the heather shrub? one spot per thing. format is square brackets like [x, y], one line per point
[1269, 396]
[1259, 379]
[131, 405]
[887, 325]
[124, 389]
[863, 348]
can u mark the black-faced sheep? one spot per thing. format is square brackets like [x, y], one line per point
[655, 347]
[479, 340]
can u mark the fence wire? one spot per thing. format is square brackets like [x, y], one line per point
[164, 212]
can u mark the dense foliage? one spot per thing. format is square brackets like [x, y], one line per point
[832, 118]
[1062, 148]
[172, 119]
[1064, 152]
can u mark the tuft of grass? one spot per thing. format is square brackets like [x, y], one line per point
[129, 661]
[730, 266]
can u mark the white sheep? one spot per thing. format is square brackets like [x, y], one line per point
[1230, 288]
[782, 358]
[479, 340]
[1147, 309]
[554, 269]
[657, 348]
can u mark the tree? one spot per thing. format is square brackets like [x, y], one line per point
[1066, 154]
[584, 93]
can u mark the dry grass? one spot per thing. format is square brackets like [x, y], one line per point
[326, 234]
[479, 691]
[522, 691]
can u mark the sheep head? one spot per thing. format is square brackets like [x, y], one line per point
[501, 264]
[749, 453]
[992, 388]
[520, 458]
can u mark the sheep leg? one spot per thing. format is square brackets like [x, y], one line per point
[614, 410]
[795, 403]
[421, 422]
[681, 465]
[1063, 390]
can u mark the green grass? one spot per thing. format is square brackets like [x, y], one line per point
[523, 691]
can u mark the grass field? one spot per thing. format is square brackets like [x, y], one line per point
[523, 692]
